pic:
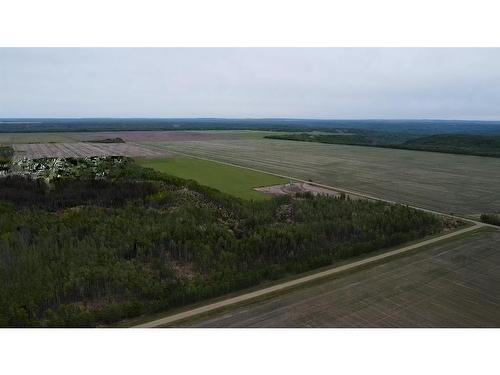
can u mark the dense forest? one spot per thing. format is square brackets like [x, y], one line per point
[85, 252]
[467, 144]
[490, 219]
[343, 139]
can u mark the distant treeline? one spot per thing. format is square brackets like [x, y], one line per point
[346, 137]
[107, 140]
[85, 252]
[419, 127]
[467, 144]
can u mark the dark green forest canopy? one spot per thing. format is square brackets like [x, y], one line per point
[6, 153]
[467, 144]
[482, 145]
[490, 219]
[90, 252]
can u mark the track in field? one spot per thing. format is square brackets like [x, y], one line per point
[444, 182]
[453, 284]
[83, 149]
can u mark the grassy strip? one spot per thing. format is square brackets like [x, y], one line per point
[232, 180]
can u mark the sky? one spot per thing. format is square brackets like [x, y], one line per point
[331, 83]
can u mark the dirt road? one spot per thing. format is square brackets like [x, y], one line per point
[303, 280]
[449, 284]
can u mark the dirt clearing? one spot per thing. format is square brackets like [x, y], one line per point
[296, 187]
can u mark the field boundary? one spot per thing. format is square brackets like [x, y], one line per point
[302, 280]
[341, 190]
[284, 286]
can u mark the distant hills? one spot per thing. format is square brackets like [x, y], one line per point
[415, 127]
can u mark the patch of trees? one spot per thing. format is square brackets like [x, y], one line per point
[340, 138]
[470, 144]
[6, 153]
[107, 140]
[490, 219]
[26, 192]
[89, 252]
[467, 144]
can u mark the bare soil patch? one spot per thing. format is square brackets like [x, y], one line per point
[296, 187]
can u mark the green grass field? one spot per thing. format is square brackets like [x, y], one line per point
[232, 180]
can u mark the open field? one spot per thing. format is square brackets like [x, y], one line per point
[83, 149]
[232, 180]
[450, 284]
[131, 136]
[448, 183]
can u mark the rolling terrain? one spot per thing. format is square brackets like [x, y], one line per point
[458, 184]
[88, 242]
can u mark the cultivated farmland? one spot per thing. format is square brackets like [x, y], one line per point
[444, 182]
[449, 183]
[129, 136]
[453, 284]
[82, 149]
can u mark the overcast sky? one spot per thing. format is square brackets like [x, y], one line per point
[211, 82]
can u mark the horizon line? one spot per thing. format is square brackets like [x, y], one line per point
[6, 119]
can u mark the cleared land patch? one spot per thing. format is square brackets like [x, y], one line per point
[232, 180]
[448, 183]
[452, 284]
[295, 188]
